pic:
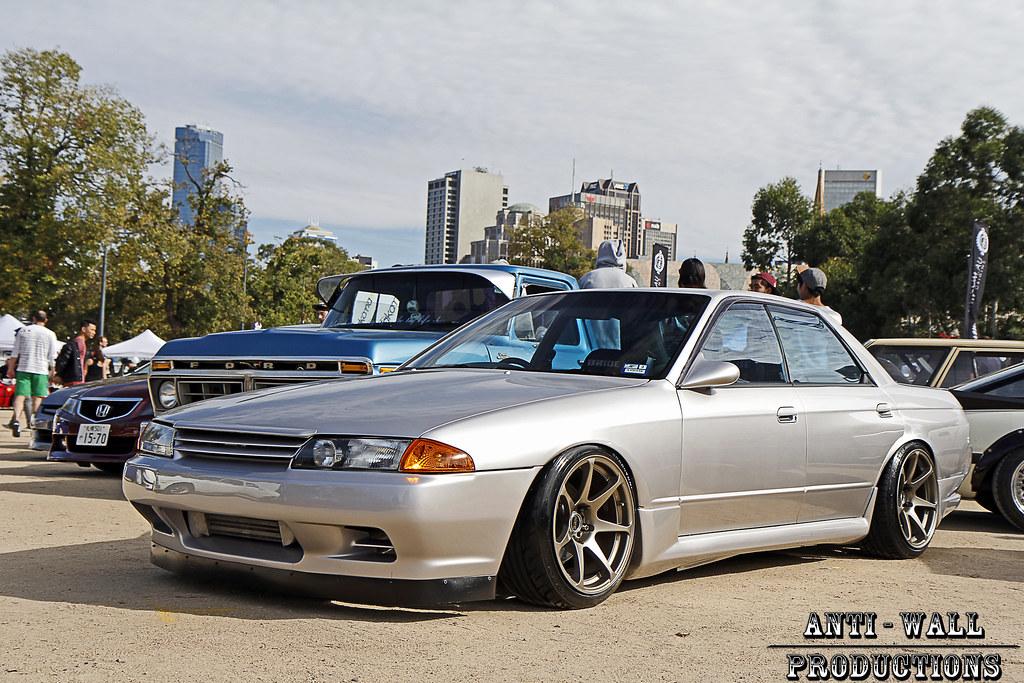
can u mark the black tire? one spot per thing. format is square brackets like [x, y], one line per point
[534, 570]
[1010, 501]
[887, 538]
[109, 467]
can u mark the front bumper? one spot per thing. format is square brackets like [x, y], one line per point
[452, 527]
[120, 446]
[404, 592]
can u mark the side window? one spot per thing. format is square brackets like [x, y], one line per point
[971, 364]
[530, 287]
[743, 335]
[1011, 389]
[813, 352]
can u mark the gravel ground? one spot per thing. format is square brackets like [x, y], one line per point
[79, 601]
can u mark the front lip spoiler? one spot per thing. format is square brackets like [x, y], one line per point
[357, 589]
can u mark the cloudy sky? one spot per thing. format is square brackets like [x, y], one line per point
[344, 110]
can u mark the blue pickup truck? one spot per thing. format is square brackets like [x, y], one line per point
[376, 320]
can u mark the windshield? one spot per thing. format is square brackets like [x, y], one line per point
[613, 333]
[413, 301]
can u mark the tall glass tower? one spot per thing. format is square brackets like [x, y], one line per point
[195, 149]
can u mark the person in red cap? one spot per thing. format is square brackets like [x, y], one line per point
[764, 283]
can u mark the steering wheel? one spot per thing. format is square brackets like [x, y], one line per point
[513, 362]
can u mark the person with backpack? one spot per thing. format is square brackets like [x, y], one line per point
[70, 364]
[31, 362]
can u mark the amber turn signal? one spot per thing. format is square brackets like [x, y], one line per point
[161, 365]
[426, 456]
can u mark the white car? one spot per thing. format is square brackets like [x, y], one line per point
[994, 405]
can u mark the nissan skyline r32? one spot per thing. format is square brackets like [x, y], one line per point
[377, 320]
[555, 447]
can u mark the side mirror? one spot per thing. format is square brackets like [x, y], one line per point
[705, 374]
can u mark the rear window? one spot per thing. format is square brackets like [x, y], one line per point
[910, 364]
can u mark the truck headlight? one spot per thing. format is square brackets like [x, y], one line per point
[328, 453]
[156, 439]
[166, 395]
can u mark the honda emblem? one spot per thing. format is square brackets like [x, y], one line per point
[102, 410]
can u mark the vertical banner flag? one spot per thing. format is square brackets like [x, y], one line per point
[976, 279]
[659, 266]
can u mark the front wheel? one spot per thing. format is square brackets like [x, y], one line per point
[1008, 488]
[574, 538]
[907, 507]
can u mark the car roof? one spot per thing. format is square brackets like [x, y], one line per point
[948, 343]
[502, 267]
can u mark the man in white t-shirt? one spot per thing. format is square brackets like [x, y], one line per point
[810, 285]
[30, 365]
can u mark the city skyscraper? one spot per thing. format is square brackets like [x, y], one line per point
[612, 199]
[838, 187]
[460, 205]
[195, 149]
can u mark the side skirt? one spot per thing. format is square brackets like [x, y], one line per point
[698, 549]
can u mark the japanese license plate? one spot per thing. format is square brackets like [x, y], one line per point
[92, 435]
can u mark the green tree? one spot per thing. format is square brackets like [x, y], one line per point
[177, 279]
[977, 175]
[284, 284]
[70, 157]
[780, 212]
[552, 242]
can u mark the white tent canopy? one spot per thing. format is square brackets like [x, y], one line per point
[8, 326]
[142, 346]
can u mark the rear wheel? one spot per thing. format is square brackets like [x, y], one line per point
[1008, 488]
[907, 507]
[574, 538]
[109, 467]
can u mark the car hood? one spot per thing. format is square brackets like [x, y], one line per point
[57, 398]
[305, 342]
[404, 404]
[127, 387]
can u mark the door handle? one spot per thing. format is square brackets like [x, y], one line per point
[786, 414]
[884, 410]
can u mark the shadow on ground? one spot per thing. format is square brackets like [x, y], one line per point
[976, 563]
[61, 479]
[118, 574]
[977, 520]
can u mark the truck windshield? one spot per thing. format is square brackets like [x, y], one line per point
[413, 301]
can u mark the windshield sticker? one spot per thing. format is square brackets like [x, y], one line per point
[634, 369]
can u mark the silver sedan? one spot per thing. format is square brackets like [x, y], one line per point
[554, 448]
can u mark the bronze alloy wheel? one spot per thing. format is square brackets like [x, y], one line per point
[592, 524]
[919, 498]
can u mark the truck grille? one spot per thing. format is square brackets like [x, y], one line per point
[192, 391]
[207, 443]
[244, 527]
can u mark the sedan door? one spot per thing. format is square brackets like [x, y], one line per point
[850, 425]
[744, 445]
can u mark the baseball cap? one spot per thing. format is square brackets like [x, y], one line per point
[769, 278]
[813, 278]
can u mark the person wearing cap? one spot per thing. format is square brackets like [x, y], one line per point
[810, 285]
[764, 283]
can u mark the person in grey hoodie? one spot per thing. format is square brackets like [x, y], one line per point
[610, 270]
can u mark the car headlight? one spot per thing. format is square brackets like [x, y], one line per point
[166, 395]
[328, 453]
[71, 405]
[156, 439]
[404, 455]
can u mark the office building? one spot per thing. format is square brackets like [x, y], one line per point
[659, 232]
[594, 230]
[315, 232]
[494, 244]
[838, 187]
[367, 261]
[459, 206]
[612, 199]
[196, 149]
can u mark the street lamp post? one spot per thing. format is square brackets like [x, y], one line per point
[103, 293]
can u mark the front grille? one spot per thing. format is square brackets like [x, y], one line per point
[200, 390]
[207, 443]
[244, 527]
[104, 410]
[268, 383]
